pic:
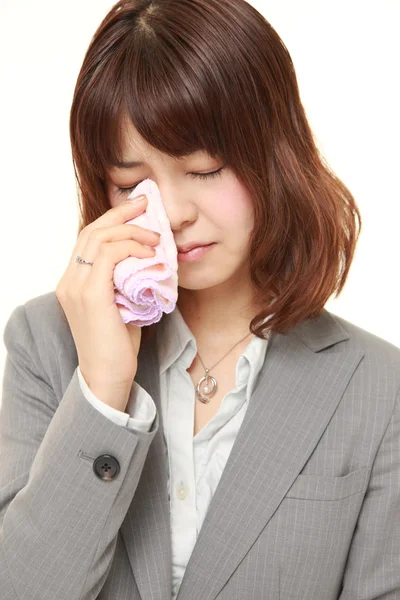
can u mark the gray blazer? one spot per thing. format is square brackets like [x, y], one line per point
[308, 506]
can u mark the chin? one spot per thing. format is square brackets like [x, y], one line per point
[202, 282]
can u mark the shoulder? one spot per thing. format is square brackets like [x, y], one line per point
[47, 309]
[329, 333]
[339, 345]
[374, 347]
[376, 380]
[42, 316]
[38, 332]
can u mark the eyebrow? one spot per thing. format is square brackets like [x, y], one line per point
[128, 165]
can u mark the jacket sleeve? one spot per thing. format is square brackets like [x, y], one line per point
[373, 563]
[59, 520]
[141, 407]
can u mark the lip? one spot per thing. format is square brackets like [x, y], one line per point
[191, 245]
[195, 253]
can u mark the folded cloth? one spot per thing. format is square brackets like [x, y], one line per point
[145, 288]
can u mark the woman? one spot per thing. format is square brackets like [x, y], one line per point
[118, 482]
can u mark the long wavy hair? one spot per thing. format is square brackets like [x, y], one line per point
[214, 75]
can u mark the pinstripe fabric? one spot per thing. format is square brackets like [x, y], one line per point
[195, 462]
[308, 505]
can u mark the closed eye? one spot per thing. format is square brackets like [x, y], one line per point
[121, 191]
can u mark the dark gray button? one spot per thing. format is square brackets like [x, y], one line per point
[106, 467]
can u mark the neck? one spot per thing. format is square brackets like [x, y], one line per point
[213, 316]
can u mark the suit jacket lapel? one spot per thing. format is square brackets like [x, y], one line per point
[298, 390]
[297, 393]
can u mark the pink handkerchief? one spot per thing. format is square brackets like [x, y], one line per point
[145, 288]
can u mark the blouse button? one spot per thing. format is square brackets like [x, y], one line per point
[182, 491]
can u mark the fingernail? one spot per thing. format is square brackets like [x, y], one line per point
[139, 198]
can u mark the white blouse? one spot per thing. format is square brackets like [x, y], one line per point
[195, 462]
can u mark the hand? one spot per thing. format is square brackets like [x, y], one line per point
[107, 348]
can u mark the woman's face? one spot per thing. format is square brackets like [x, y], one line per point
[217, 209]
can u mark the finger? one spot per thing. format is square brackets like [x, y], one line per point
[121, 232]
[125, 211]
[110, 253]
[104, 235]
[98, 277]
[114, 216]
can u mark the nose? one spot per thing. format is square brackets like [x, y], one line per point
[180, 211]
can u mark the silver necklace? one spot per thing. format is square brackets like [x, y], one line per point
[209, 382]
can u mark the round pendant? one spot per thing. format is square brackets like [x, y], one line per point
[209, 389]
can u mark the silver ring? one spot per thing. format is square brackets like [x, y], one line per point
[82, 261]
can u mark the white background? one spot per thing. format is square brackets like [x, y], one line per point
[346, 55]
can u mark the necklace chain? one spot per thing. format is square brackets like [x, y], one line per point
[208, 390]
[208, 370]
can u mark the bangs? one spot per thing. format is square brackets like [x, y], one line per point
[171, 101]
[214, 76]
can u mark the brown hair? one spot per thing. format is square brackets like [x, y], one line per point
[214, 75]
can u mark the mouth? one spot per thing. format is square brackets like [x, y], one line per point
[195, 253]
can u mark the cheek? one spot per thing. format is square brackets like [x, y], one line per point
[233, 208]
